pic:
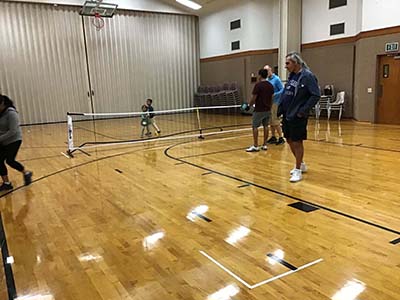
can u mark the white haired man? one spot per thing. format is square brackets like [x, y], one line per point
[300, 95]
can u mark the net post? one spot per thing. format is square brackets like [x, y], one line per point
[199, 123]
[70, 135]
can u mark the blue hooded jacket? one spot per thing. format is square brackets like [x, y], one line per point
[306, 95]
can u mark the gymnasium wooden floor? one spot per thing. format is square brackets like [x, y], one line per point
[191, 219]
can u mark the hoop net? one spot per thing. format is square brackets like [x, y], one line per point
[98, 21]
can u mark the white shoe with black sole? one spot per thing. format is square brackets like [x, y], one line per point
[303, 168]
[253, 149]
[296, 176]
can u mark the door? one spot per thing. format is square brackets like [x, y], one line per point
[388, 105]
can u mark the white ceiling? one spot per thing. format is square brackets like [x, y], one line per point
[208, 6]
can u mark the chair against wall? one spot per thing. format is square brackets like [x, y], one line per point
[325, 99]
[217, 95]
[322, 105]
[329, 90]
[337, 105]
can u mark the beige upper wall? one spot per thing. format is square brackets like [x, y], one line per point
[317, 18]
[259, 27]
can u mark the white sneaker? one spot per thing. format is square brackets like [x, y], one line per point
[296, 176]
[253, 149]
[303, 168]
[264, 147]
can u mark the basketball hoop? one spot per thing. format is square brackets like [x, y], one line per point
[98, 21]
[98, 10]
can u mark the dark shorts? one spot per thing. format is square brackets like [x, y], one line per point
[295, 130]
[261, 118]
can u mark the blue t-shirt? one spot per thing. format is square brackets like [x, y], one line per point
[278, 87]
[288, 93]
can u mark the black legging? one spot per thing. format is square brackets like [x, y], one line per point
[8, 154]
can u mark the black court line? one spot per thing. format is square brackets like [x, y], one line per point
[202, 217]
[207, 173]
[330, 142]
[10, 282]
[396, 241]
[127, 214]
[282, 262]
[211, 153]
[118, 170]
[356, 145]
[244, 185]
[378, 148]
[334, 211]
[84, 152]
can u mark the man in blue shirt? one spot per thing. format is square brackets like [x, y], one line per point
[275, 122]
[300, 95]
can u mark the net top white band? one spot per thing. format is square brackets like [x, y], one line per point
[153, 112]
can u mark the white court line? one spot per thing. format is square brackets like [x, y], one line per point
[262, 282]
[65, 155]
[285, 274]
[226, 270]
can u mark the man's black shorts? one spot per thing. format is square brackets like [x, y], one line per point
[296, 129]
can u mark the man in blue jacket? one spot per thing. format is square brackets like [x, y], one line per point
[300, 95]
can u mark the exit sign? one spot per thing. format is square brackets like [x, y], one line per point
[392, 47]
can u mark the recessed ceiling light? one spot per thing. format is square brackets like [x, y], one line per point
[191, 4]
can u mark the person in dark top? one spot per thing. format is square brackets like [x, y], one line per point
[301, 93]
[10, 141]
[262, 98]
[149, 104]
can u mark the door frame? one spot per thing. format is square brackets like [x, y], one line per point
[378, 68]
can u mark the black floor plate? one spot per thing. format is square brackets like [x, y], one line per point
[303, 207]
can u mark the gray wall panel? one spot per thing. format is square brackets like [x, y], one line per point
[334, 65]
[236, 69]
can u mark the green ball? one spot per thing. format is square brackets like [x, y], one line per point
[245, 107]
[144, 123]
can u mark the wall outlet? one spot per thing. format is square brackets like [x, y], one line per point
[369, 90]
